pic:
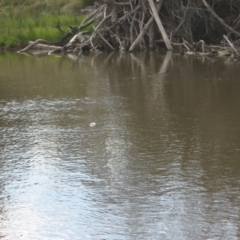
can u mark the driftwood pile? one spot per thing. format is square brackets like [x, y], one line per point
[204, 27]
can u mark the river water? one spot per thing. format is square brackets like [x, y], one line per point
[119, 146]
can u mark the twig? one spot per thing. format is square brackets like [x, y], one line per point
[230, 44]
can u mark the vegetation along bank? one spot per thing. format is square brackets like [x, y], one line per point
[24, 20]
[203, 27]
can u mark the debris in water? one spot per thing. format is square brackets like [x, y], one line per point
[93, 124]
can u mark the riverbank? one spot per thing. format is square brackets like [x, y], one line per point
[127, 26]
[146, 25]
[21, 22]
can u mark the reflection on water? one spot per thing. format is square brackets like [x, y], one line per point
[119, 146]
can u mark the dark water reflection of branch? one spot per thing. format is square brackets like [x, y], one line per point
[139, 75]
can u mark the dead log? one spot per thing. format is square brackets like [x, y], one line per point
[160, 26]
[145, 28]
[33, 44]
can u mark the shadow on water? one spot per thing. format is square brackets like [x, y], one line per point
[119, 146]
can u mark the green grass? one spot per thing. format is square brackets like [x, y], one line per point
[25, 20]
[18, 31]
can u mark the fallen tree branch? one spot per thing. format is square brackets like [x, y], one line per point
[145, 28]
[101, 36]
[231, 45]
[160, 26]
[90, 19]
[33, 44]
[219, 19]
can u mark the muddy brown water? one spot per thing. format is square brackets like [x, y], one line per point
[119, 146]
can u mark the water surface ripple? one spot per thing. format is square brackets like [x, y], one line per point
[119, 146]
